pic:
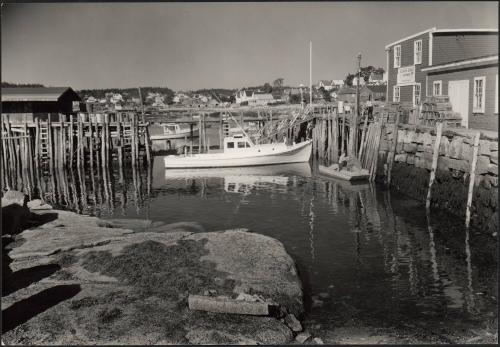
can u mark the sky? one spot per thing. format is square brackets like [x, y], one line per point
[187, 46]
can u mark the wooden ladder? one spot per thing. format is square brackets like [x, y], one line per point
[44, 142]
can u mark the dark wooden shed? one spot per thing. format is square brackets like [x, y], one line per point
[27, 104]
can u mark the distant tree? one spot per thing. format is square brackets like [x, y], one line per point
[294, 98]
[348, 79]
[22, 85]
[267, 88]
[326, 94]
[278, 83]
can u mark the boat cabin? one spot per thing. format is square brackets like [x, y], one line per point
[236, 142]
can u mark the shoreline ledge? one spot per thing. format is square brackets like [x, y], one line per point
[76, 279]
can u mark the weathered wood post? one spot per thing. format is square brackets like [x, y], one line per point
[472, 178]
[439, 129]
[147, 144]
[71, 139]
[392, 153]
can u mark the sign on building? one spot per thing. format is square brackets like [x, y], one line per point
[406, 75]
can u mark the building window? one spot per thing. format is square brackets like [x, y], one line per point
[437, 88]
[496, 94]
[417, 52]
[416, 94]
[397, 56]
[395, 94]
[478, 102]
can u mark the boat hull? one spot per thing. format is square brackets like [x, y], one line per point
[270, 155]
[362, 175]
[180, 135]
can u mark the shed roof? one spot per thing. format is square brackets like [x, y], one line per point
[36, 94]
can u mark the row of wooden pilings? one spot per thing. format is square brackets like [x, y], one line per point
[31, 148]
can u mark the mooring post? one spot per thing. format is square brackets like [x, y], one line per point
[472, 178]
[439, 129]
[390, 161]
[71, 139]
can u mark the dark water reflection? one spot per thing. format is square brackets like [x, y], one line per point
[363, 253]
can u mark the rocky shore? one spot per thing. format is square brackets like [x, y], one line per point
[74, 279]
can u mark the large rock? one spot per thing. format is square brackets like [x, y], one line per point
[14, 197]
[116, 286]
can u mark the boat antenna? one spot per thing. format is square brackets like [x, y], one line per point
[243, 130]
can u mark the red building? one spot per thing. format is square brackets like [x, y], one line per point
[460, 63]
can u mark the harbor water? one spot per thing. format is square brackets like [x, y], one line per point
[366, 256]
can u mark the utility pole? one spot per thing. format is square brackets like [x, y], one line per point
[142, 106]
[353, 133]
[310, 72]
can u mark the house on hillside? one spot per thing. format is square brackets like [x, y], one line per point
[376, 79]
[253, 97]
[376, 92]
[325, 84]
[28, 104]
[459, 63]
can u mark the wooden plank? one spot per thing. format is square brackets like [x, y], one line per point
[439, 129]
[227, 305]
[472, 178]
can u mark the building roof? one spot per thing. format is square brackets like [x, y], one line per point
[35, 94]
[326, 82]
[437, 31]
[377, 88]
[346, 90]
[262, 96]
[248, 92]
[464, 63]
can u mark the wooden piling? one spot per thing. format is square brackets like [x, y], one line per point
[71, 139]
[439, 129]
[79, 143]
[390, 163]
[472, 178]
[147, 144]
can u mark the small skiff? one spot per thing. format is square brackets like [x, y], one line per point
[344, 174]
[240, 151]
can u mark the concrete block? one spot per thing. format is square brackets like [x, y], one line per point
[467, 152]
[410, 147]
[484, 147]
[482, 165]
[410, 159]
[445, 163]
[493, 146]
[227, 305]
[493, 169]
[455, 148]
[444, 146]
[401, 157]
[494, 158]
[427, 139]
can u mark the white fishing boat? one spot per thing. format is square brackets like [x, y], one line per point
[239, 150]
[170, 131]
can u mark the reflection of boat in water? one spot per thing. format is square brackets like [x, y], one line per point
[170, 131]
[245, 183]
[295, 169]
[240, 151]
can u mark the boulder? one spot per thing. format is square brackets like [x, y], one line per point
[444, 146]
[14, 197]
[302, 337]
[484, 147]
[410, 147]
[133, 287]
[293, 323]
[482, 165]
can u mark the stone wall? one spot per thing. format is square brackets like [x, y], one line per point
[413, 162]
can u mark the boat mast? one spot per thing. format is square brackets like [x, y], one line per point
[310, 72]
